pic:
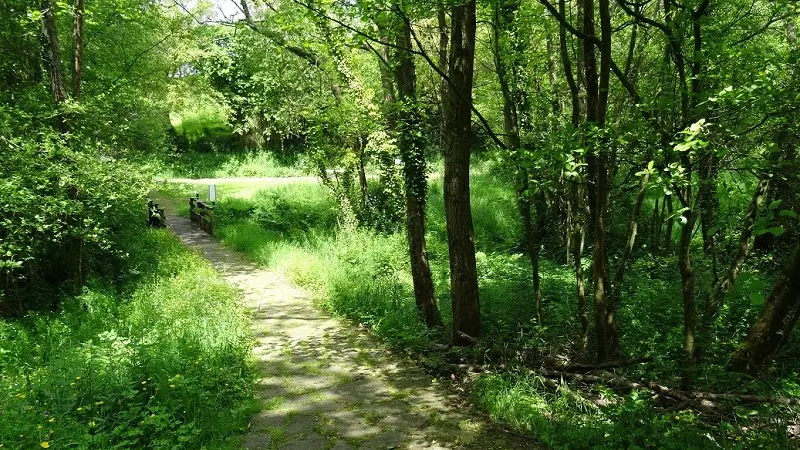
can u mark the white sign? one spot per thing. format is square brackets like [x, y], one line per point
[212, 193]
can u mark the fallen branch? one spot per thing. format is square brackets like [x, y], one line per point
[605, 365]
[702, 399]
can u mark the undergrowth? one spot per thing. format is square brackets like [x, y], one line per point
[158, 361]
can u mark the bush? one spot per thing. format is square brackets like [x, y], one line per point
[65, 206]
[161, 365]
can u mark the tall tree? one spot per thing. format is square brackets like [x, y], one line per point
[458, 210]
[411, 143]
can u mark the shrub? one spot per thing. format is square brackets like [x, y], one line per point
[65, 206]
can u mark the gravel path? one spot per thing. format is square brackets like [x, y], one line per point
[325, 385]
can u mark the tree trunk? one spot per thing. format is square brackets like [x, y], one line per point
[362, 172]
[670, 223]
[443, 29]
[598, 168]
[458, 212]
[52, 57]
[578, 237]
[688, 220]
[708, 210]
[576, 204]
[633, 224]
[655, 233]
[77, 57]
[774, 325]
[721, 288]
[412, 146]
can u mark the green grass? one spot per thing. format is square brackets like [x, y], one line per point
[364, 276]
[160, 361]
[229, 164]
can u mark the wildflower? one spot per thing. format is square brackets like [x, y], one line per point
[39, 427]
[91, 424]
[98, 403]
[172, 386]
[52, 419]
[21, 396]
[45, 444]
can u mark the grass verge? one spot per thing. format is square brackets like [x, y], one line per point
[159, 361]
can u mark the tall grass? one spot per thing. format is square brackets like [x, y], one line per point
[160, 361]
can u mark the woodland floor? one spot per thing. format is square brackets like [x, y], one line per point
[325, 384]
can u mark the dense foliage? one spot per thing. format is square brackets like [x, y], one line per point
[637, 199]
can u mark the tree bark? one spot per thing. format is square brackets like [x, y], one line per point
[458, 213]
[411, 144]
[774, 325]
[598, 167]
[77, 57]
[52, 56]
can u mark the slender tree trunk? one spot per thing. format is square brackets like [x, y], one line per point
[670, 223]
[362, 172]
[655, 233]
[708, 209]
[576, 202]
[774, 325]
[633, 224]
[540, 203]
[724, 285]
[598, 168]
[578, 237]
[688, 220]
[458, 211]
[52, 57]
[77, 57]
[444, 36]
[552, 71]
[412, 147]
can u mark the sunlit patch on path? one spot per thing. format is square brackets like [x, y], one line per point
[326, 386]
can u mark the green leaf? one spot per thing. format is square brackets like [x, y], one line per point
[757, 298]
[777, 231]
[788, 213]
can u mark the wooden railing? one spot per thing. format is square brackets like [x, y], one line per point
[202, 213]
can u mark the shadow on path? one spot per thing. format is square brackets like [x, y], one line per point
[326, 386]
